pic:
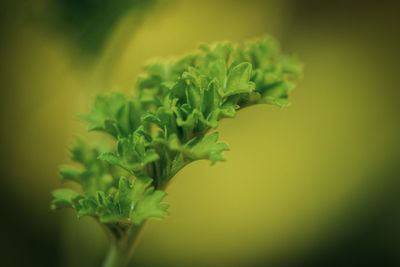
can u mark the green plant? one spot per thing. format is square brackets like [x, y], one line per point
[167, 124]
[88, 24]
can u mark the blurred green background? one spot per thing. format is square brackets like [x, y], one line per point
[315, 184]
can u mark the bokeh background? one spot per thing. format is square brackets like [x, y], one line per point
[315, 184]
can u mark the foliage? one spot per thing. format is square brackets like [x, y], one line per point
[170, 122]
[88, 23]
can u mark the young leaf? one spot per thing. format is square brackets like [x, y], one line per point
[114, 114]
[149, 206]
[239, 80]
[63, 198]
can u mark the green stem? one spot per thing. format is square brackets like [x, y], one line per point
[133, 238]
[121, 249]
[115, 256]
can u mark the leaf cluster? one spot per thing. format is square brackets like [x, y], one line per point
[170, 122]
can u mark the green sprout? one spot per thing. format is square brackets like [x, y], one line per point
[168, 123]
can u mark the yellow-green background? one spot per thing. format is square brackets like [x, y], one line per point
[315, 184]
